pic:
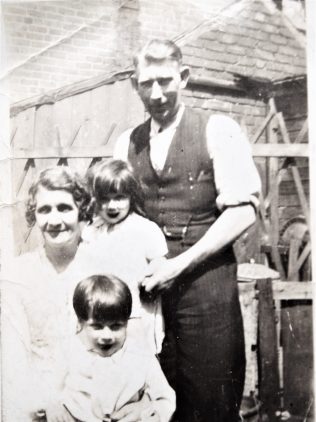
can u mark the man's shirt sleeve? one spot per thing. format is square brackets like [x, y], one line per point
[120, 151]
[236, 176]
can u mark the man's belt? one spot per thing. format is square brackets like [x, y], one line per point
[175, 233]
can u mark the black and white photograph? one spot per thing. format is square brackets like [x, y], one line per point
[157, 210]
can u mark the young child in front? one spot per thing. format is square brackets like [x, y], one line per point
[107, 368]
[125, 242]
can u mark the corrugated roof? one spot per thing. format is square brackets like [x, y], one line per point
[252, 38]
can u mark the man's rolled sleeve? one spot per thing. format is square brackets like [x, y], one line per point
[236, 176]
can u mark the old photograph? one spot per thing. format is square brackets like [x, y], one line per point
[156, 210]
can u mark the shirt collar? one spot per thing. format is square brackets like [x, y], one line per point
[155, 126]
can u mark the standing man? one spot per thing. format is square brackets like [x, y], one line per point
[201, 187]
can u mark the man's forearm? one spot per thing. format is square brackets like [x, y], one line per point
[226, 229]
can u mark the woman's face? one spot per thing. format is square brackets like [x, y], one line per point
[57, 216]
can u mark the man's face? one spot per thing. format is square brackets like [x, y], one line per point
[159, 85]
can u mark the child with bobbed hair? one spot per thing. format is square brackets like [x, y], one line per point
[125, 242]
[107, 368]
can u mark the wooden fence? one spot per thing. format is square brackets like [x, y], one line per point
[79, 129]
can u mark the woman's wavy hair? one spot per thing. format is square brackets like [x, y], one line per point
[114, 176]
[59, 178]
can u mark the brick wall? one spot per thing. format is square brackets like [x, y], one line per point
[95, 37]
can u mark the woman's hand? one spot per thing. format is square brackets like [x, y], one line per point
[58, 413]
[163, 276]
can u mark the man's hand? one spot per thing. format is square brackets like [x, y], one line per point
[162, 277]
[58, 413]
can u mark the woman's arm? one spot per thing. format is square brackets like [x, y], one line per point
[224, 231]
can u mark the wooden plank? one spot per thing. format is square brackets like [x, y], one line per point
[24, 135]
[24, 138]
[53, 96]
[294, 170]
[303, 256]
[29, 164]
[304, 173]
[292, 290]
[99, 114]
[44, 134]
[265, 123]
[268, 357]
[292, 272]
[52, 152]
[280, 150]
[64, 152]
[290, 201]
[80, 127]
[44, 131]
[62, 121]
[297, 341]
[289, 187]
[274, 211]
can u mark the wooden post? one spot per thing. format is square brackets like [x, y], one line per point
[274, 190]
[268, 352]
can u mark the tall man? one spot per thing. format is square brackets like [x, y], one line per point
[201, 187]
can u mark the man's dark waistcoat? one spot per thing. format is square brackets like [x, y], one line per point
[181, 197]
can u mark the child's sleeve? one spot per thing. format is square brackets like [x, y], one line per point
[162, 396]
[156, 245]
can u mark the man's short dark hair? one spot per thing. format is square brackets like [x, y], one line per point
[157, 50]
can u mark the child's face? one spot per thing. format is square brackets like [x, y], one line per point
[114, 208]
[105, 339]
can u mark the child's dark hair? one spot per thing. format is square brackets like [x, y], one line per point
[115, 176]
[102, 298]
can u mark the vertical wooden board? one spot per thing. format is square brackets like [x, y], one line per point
[249, 309]
[274, 206]
[268, 357]
[80, 128]
[273, 186]
[44, 134]
[24, 138]
[297, 341]
[134, 108]
[80, 120]
[79, 165]
[22, 176]
[24, 123]
[101, 104]
[126, 111]
[62, 115]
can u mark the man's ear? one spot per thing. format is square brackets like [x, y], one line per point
[134, 81]
[185, 73]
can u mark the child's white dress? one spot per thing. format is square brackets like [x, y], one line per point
[95, 386]
[125, 251]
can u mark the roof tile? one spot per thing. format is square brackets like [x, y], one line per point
[256, 43]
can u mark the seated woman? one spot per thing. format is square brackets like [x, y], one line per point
[36, 296]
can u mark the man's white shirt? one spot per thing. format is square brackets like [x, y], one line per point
[236, 176]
